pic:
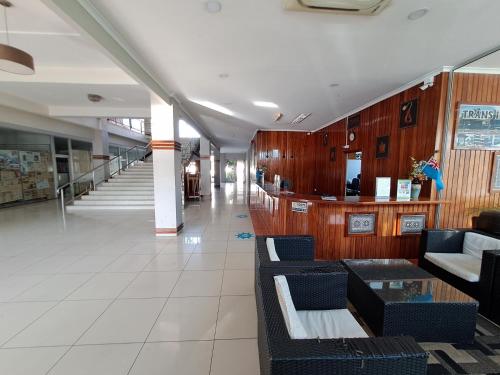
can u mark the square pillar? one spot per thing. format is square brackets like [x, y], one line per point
[100, 153]
[166, 168]
[216, 167]
[205, 177]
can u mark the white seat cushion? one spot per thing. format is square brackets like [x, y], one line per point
[330, 324]
[475, 244]
[465, 266]
[292, 321]
[272, 250]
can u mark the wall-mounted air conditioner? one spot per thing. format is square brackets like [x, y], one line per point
[362, 7]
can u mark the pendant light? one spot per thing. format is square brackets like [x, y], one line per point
[14, 60]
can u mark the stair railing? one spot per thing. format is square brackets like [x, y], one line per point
[88, 181]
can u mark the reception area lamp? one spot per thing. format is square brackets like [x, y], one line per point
[14, 60]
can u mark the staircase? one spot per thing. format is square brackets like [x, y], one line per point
[130, 190]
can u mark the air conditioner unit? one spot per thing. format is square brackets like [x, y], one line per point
[362, 7]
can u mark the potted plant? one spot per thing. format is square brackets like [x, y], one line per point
[416, 176]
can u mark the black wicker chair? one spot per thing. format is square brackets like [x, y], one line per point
[280, 355]
[487, 289]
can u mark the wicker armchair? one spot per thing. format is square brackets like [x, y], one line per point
[279, 354]
[487, 289]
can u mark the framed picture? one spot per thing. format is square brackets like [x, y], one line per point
[495, 174]
[333, 154]
[382, 150]
[477, 127]
[408, 114]
[354, 121]
[361, 224]
[411, 224]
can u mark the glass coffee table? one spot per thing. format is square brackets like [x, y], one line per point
[397, 298]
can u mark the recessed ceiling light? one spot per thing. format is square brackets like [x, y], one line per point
[223, 75]
[118, 99]
[416, 14]
[213, 6]
[334, 85]
[265, 104]
[214, 106]
[94, 98]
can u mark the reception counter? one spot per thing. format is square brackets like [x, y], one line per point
[348, 227]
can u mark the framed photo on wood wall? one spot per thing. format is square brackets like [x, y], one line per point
[408, 114]
[477, 127]
[495, 174]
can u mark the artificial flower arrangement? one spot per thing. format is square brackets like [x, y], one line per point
[417, 174]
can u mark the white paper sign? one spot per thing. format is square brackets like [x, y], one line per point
[383, 187]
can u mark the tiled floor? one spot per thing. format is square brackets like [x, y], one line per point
[99, 294]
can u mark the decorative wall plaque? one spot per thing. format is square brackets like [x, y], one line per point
[354, 121]
[408, 114]
[382, 150]
[411, 223]
[300, 207]
[333, 154]
[361, 224]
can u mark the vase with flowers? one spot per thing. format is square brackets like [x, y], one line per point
[417, 176]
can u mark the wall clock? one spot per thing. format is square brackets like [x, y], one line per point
[352, 136]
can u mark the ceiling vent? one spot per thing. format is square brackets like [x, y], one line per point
[361, 7]
[297, 120]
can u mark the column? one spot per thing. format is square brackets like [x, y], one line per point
[166, 167]
[216, 167]
[100, 152]
[205, 178]
[222, 168]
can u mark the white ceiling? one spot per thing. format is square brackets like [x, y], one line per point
[68, 67]
[291, 58]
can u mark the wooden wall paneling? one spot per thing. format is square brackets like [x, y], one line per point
[468, 172]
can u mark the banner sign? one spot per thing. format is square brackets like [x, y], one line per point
[478, 127]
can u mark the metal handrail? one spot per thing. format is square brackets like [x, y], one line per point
[60, 190]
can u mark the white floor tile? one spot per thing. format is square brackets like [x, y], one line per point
[211, 247]
[241, 247]
[29, 361]
[206, 262]
[55, 288]
[52, 264]
[198, 283]
[62, 325]
[129, 263]
[238, 282]
[179, 358]
[97, 360]
[90, 263]
[17, 284]
[244, 261]
[151, 285]
[16, 316]
[103, 286]
[125, 321]
[190, 318]
[235, 357]
[168, 262]
[237, 318]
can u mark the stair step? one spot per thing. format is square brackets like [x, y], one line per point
[132, 179]
[113, 202]
[72, 208]
[149, 193]
[128, 184]
[118, 197]
[124, 188]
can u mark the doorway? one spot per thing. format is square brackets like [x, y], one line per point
[353, 174]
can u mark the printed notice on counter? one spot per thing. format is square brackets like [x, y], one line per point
[299, 207]
[383, 187]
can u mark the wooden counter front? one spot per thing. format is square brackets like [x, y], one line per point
[326, 221]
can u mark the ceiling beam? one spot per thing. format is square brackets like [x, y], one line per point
[87, 19]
